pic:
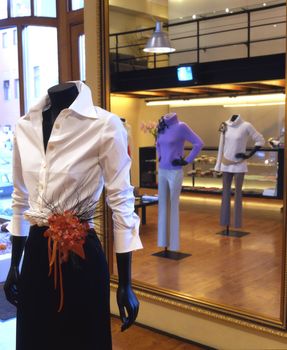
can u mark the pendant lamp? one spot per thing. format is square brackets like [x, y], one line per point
[159, 41]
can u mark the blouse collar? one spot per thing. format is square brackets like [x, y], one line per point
[83, 104]
[237, 121]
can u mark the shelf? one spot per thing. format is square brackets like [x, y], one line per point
[264, 177]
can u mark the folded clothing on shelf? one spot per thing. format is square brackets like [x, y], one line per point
[149, 198]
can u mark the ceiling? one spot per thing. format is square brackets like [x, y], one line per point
[204, 8]
[175, 10]
[211, 90]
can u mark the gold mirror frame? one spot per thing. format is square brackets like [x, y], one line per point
[166, 297]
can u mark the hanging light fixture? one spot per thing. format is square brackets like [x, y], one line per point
[159, 41]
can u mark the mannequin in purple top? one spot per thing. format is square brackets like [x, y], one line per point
[97, 326]
[172, 135]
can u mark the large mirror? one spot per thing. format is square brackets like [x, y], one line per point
[237, 271]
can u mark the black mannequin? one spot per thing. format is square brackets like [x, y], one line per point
[61, 97]
[234, 117]
[11, 283]
[179, 161]
[249, 154]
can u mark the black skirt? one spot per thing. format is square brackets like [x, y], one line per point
[84, 322]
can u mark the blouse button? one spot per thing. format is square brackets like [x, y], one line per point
[51, 147]
[57, 126]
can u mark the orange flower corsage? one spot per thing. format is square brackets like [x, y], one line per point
[66, 233]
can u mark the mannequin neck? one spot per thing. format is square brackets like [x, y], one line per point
[234, 121]
[171, 118]
[61, 97]
[234, 117]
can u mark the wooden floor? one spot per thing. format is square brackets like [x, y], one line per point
[138, 338]
[241, 272]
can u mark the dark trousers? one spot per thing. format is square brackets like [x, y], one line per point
[226, 198]
[84, 322]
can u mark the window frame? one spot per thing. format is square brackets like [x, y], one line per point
[63, 21]
[6, 90]
[4, 38]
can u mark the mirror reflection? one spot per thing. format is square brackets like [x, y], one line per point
[228, 243]
[242, 268]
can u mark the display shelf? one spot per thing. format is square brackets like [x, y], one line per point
[263, 179]
[147, 158]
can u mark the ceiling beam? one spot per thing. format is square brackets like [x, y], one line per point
[232, 87]
[279, 83]
[189, 90]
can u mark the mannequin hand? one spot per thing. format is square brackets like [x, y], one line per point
[11, 285]
[4, 227]
[242, 155]
[128, 306]
[179, 162]
[217, 173]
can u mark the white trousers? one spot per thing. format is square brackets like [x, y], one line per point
[169, 188]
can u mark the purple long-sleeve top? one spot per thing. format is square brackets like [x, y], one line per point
[170, 143]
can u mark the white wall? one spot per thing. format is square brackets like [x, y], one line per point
[135, 111]
[133, 15]
[182, 37]
[205, 121]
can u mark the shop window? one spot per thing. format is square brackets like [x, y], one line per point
[3, 9]
[20, 8]
[6, 185]
[82, 57]
[45, 8]
[36, 73]
[4, 40]
[40, 60]
[77, 4]
[15, 37]
[10, 112]
[16, 88]
[6, 89]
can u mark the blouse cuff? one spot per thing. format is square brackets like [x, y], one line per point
[217, 167]
[128, 240]
[18, 226]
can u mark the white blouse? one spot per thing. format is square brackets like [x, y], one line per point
[87, 149]
[235, 141]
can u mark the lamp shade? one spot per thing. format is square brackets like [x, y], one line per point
[159, 41]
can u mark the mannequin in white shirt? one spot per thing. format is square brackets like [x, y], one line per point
[251, 152]
[231, 161]
[61, 97]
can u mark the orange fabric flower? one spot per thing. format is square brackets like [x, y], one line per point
[3, 246]
[65, 234]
